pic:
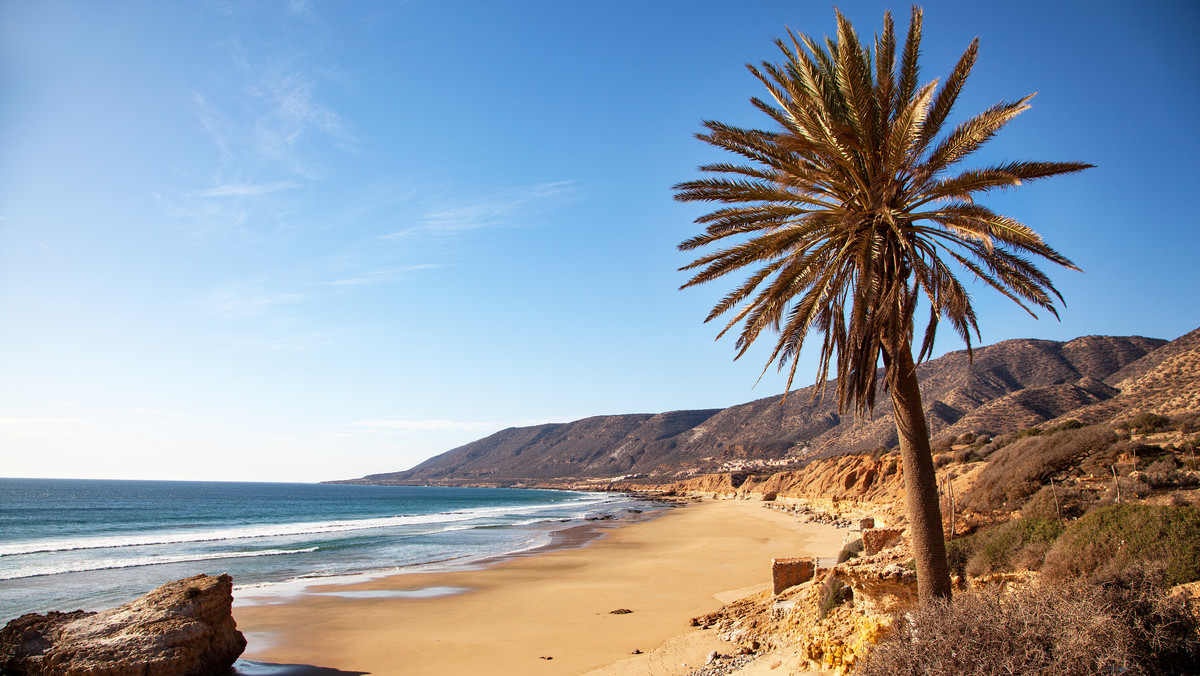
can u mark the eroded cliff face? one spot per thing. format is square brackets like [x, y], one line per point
[845, 487]
[851, 484]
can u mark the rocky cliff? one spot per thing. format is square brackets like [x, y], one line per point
[1007, 386]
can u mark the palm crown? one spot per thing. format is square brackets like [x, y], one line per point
[849, 211]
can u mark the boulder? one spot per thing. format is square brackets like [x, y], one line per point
[881, 588]
[183, 628]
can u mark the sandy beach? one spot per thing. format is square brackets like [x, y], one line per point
[510, 617]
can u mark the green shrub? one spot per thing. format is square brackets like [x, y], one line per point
[1111, 538]
[1147, 421]
[834, 592]
[851, 550]
[1020, 544]
[1127, 626]
[1071, 424]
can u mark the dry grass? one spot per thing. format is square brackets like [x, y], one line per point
[1020, 468]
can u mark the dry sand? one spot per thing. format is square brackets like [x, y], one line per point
[555, 604]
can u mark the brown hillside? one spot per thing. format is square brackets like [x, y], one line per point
[1009, 385]
[1166, 381]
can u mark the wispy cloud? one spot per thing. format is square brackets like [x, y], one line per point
[290, 114]
[45, 427]
[293, 343]
[273, 132]
[301, 8]
[246, 189]
[214, 123]
[433, 425]
[235, 300]
[505, 208]
[386, 276]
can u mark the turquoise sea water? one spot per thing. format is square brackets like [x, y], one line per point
[68, 544]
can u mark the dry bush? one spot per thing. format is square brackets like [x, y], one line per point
[1125, 455]
[1186, 423]
[1130, 488]
[1125, 625]
[1110, 539]
[1164, 627]
[1018, 469]
[987, 633]
[1058, 501]
[996, 443]
[941, 444]
[1164, 472]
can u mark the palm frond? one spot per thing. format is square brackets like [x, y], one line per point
[844, 215]
[948, 94]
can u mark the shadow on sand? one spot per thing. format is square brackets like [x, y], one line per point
[248, 668]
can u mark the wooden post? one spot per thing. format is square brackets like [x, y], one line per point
[1118, 483]
[953, 508]
[1057, 509]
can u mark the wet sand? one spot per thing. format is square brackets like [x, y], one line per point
[547, 613]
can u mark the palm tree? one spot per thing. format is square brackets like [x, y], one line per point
[845, 217]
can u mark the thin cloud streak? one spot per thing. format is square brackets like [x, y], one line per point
[294, 343]
[237, 300]
[434, 425]
[46, 427]
[246, 189]
[499, 210]
[387, 276]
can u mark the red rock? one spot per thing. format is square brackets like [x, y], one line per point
[786, 573]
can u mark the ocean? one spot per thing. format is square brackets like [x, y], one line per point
[83, 544]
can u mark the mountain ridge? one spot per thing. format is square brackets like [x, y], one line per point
[1008, 385]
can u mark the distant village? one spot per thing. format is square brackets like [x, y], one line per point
[736, 465]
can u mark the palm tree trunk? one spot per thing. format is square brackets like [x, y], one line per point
[920, 482]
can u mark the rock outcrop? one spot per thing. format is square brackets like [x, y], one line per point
[184, 628]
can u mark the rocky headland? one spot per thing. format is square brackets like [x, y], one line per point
[183, 628]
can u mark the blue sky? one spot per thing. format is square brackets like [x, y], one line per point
[306, 240]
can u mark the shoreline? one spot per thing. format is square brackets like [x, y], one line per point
[547, 610]
[564, 535]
